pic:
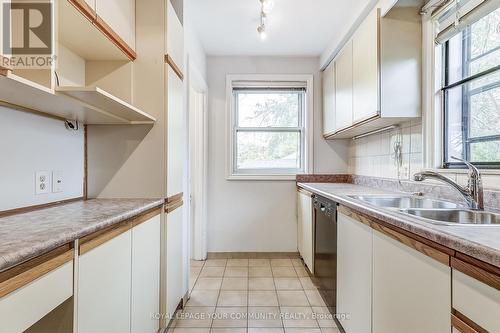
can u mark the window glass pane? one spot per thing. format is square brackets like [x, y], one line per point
[268, 150]
[488, 151]
[268, 109]
[485, 113]
[484, 34]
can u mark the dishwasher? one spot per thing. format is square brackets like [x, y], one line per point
[325, 249]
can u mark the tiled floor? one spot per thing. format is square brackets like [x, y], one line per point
[253, 296]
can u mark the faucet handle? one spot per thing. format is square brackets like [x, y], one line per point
[473, 171]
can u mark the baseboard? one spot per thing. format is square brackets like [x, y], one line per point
[253, 255]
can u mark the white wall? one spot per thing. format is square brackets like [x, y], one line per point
[30, 143]
[246, 216]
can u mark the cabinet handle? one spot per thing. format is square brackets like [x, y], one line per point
[464, 324]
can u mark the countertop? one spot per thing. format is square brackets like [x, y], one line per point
[28, 235]
[480, 242]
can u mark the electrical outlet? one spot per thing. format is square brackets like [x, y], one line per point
[57, 181]
[42, 182]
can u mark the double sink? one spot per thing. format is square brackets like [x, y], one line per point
[432, 211]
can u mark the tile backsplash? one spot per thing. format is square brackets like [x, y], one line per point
[374, 156]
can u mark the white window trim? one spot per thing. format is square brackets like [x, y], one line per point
[308, 123]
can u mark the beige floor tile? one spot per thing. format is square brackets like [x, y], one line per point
[230, 317]
[324, 317]
[284, 272]
[192, 282]
[302, 330]
[265, 330]
[197, 263]
[287, 284]
[233, 298]
[203, 298]
[298, 317]
[262, 298]
[292, 298]
[236, 272]
[237, 262]
[261, 283]
[259, 262]
[204, 283]
[314, 298]
[330, 330]
[307, 283]
[216, 263]
[189, 330]
[212, 272]
[195, 270]
[301, 272]
[235, 284]
[297, 263]
[228, 330]
[199, 317]
[260, 271]
[264, 317]
[281, 263]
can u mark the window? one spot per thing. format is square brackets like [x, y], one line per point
[471, 92]
[268, 129]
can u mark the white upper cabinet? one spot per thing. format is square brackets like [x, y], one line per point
[411, 291]
[365, 74]
[329, 99]
[175, 37]
[120, 16]
[343, 88]
[377, 74]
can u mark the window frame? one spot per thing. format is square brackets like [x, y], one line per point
[466, 96]
[305, 128]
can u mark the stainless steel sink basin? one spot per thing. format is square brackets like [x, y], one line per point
[404, 202]
[455, 216]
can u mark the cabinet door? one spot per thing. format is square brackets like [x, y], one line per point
[366, 68]
[300, 246]
[145, 276]
[354, 274]
[176, 133]
[175, 37]
[329, 99]
[120, 16]
[104, 287]
[343, 88]
[307, 235]
[411, 291]
[174, 260]
[477, 301]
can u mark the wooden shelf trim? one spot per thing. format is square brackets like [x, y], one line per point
[173, 65]
[430, 249]
[100, 237]
[476, 272]
[464, 324]
[174, 198]
[25, 273]
[103, 27]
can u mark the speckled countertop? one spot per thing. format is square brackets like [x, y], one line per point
[25, 236]
[480, 242]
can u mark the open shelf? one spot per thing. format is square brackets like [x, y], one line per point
[100, 99]
[19, 93]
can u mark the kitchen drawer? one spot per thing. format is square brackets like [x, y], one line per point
[477, 301]
[25, 306]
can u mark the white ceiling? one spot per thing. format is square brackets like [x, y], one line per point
[294, 27]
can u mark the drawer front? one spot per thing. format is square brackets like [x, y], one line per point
[477, 301]
[25, 306]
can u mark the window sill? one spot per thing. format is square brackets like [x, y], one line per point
[236, 177]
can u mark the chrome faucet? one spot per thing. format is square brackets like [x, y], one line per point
[472, 193]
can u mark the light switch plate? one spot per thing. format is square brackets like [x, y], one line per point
[42, 181]
[57, 181]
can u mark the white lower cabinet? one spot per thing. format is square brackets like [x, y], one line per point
[305, 229]
[477, 301]
[411, 291]
[27, 305]
[354, 274]
[174, 288]
[145, 276]
[104, 286]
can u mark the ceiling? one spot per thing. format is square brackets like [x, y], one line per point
[294, 27]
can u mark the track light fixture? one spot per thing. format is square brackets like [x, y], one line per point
[265, 8]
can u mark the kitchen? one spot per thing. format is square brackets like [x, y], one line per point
[250, 166]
